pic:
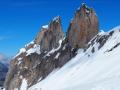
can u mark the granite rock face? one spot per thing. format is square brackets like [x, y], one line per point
[50, 35]
[83, 27]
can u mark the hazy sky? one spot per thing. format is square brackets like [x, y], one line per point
[20, 20]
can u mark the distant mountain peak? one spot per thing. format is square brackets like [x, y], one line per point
[4, 64]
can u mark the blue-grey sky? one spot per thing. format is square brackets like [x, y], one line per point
[20, 20]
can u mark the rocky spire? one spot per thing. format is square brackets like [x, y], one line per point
[50, 35]
[83, 27]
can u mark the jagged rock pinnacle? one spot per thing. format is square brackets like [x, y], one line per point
[83, 27]
[50, 35]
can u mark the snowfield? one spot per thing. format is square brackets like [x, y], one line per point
[87, 71]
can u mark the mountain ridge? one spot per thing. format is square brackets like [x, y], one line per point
[90, 69]
[50, 52]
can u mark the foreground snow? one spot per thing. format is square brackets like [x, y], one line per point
[88, 71]
[24, 85]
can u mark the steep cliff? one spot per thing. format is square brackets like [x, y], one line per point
[83, 27]
[50, 35]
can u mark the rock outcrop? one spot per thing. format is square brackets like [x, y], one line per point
[50, 35]
[83, 27]
[50, 49]
[40, 57]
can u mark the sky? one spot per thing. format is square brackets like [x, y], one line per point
[21, 20]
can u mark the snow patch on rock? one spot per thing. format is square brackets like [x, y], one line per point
[54, 50]
[45, 27]
[22, 50]
[58, 54]
[35, 49]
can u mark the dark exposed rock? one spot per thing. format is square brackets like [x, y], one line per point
[101, 39]
[83, 27]
[93, 50]
[111, 33]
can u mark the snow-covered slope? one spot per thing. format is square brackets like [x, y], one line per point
[97, 68]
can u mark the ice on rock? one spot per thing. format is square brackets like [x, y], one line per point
[54, 50]
[45, 27]
[22, 50]
[56, 18]
[32, 42]
[35, 49]
[58, 54]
